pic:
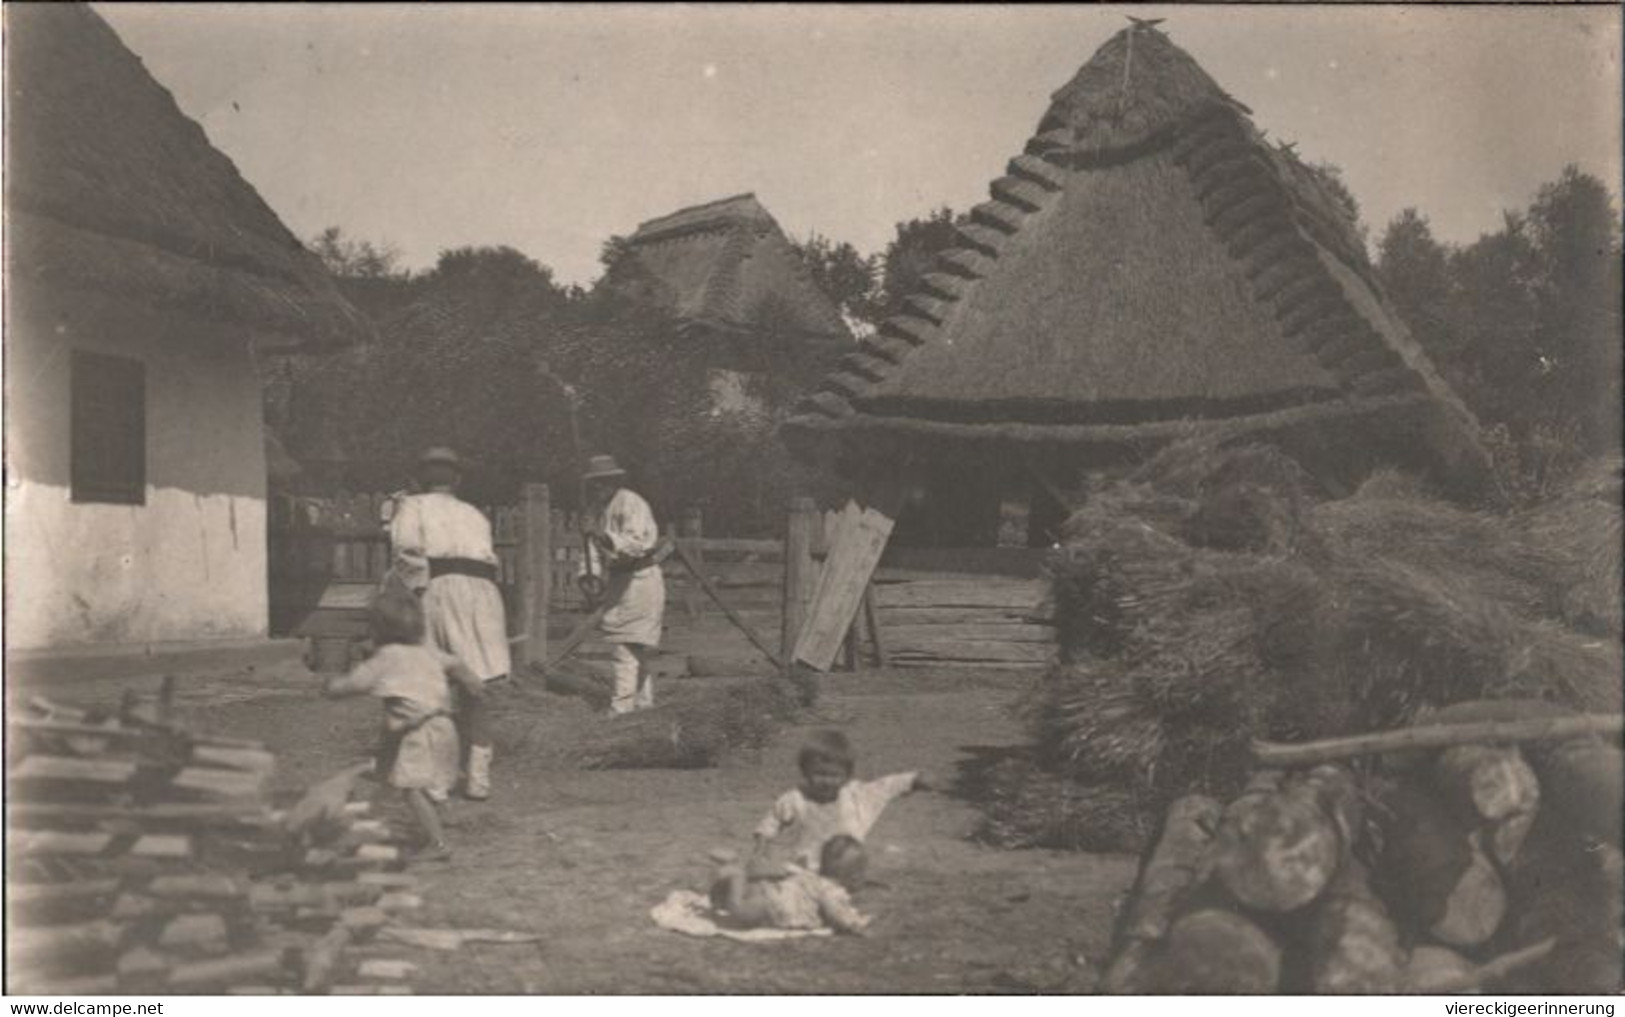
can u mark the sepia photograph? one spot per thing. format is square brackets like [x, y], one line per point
[800, 500]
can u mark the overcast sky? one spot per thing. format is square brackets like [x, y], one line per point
[551, 128]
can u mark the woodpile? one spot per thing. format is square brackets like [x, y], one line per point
[147, 858]
[1429, 859]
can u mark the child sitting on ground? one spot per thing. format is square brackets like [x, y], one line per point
[419, 753]
[828, 803]
[775, 895]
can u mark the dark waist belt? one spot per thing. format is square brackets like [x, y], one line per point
[462, 567]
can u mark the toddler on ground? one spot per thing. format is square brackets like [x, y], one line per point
[772, 895]
[419, 752]
[828, 803]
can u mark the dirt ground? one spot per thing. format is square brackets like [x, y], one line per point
[580, 857]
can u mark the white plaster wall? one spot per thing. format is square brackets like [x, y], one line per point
[190, 564]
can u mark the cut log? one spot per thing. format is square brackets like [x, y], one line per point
[81, 939]
[1487, 781]
[68, 768]
[1436, 969]
[204, 933]
[1277, 850]
[1584, 780]
[1433, 871]
[1354, 946]
[209, 973]
[58, 842]
[25, 894]
[386, 967]
[225, 783]
[162, 845]
[1180, 861]
[212, 885]
[1506, 838]
[1213, 952]
[323, 957]
[1475, 978]
[1560, 887]
[251, 760]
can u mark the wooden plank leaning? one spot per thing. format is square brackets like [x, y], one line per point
[859, 540]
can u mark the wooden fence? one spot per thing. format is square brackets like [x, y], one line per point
[928, 607]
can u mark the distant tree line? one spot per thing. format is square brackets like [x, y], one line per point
[488, 352]
[1524, 323]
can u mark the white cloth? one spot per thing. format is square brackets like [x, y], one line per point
[690, 913]
[637, 598]
[634, 685]
[801, 825]
[463, 614]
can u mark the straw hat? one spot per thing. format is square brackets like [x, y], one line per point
[602, 467]
[442, 455]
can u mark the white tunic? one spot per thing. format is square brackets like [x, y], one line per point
[463, 614]
[637, 598]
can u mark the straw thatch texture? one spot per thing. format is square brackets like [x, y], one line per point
[112, 188]
[726, 264]
[1147, 266]
[1216, 596]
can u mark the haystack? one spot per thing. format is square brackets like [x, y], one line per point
[1311, 617]
[1149, 269]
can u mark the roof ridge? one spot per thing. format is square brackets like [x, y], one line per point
[739, 210]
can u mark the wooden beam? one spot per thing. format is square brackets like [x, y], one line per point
[800, 573]
[535, 569]
[855, 549]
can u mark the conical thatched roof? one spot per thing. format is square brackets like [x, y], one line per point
[113, 189]
[1149, 267]
[727, 265]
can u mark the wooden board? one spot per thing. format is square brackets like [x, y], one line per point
[941, 593]
[944, 616]
[902, 637]
[348, 595]
[971, 650]
[858, 542]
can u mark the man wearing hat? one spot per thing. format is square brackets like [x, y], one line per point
[443, 551]
[624, 550]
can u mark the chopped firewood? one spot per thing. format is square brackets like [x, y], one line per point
[1277, 849]
[225, 783]
[323, 957]
[213, 885]
[452, 939]
[1354, 946]
[141, 962]
[382, 967]
[326, 800]
[398, 901]
[363, 922]
[1499, 968]
[201, 974]
[55, 842]
[1213, 952]
[68, 768]
[1488, 781]
[1507, 836]
[1585, 781]
[256, 761]
[1179, 862]
[49, 893]
[1436, 969]
[390, 880]
[255, 990]
[370, 990]
[63, 940]
[377, 853]
[1434, 871]
[206, 933]
[162, 846]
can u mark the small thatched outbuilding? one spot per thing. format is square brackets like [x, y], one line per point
[727, 276]
[1149, 268]
[144, 277]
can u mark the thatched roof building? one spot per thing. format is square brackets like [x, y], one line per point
[725, 268]
[113, 189]
[1148, 268]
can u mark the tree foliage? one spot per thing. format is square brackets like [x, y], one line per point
[1524, 323]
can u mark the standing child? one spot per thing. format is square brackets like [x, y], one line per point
[828, 803]
[420, 753]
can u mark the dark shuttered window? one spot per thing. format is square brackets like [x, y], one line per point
[108, 423]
